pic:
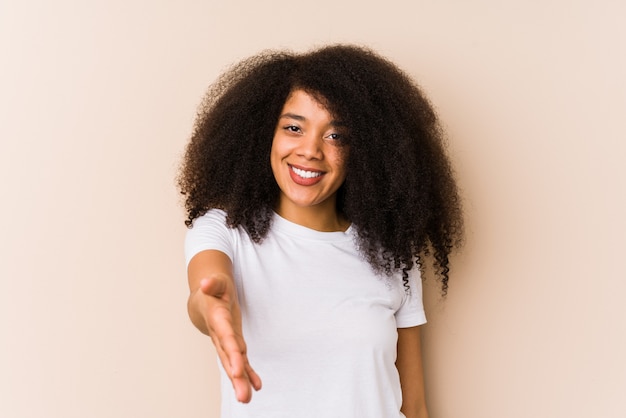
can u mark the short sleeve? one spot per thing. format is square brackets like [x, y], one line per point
[209, 232]
[411, 312]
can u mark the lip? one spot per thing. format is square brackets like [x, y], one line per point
[305, 181]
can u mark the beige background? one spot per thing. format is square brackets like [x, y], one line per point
[97, 99]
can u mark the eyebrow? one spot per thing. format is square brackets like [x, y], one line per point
[292, 116]
[302, 119]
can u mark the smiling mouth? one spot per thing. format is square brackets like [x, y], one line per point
[304, 173]
[305, 177]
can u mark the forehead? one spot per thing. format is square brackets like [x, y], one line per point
[306, 105]
[300, 96]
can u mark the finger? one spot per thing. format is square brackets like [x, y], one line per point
[235, 349]
[230, 345]
[247, 381]
[253, 377]
[223, 359]
[230, 358]
[243, 389]
[227, 340]
[241, 385]
[240, 380]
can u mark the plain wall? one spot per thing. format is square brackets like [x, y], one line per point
[97, 100]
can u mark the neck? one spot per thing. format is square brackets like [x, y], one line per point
[323, 217]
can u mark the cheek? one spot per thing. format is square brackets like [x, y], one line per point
[281, 148]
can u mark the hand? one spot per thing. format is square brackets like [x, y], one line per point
[222, 317]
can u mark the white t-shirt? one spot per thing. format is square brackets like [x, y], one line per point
[320, 325]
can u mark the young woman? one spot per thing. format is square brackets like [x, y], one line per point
[316, 187]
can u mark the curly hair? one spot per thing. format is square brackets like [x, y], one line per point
[399, 193]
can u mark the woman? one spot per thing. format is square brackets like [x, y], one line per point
[316, 186]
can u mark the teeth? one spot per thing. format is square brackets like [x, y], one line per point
[306, 174]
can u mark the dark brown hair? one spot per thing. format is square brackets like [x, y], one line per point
[399, 192]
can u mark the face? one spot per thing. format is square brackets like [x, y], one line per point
[307, 157]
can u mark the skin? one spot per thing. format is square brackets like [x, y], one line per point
[214, 310]
[409, 365]
[309, 139]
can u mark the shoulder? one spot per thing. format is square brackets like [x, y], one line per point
[211, 217]
[210, 232]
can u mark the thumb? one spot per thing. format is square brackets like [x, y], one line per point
[213, 287]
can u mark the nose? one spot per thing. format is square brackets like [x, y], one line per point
[310, 146]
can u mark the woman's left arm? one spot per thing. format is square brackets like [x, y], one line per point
[409, 364]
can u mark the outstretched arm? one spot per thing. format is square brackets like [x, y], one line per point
[214, 310]
[409, 364]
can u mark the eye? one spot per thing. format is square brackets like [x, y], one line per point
[334, 137]
[292, 129]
